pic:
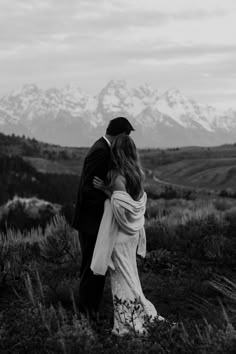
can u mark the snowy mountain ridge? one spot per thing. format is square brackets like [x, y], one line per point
[69, 115]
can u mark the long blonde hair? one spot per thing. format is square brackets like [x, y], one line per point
[125, 161]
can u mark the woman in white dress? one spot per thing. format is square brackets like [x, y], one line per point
[122, 237]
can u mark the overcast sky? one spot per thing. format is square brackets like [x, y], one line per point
[184, 44]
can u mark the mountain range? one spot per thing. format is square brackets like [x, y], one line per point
[69, 116]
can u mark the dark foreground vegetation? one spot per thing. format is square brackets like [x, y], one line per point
[189, 274]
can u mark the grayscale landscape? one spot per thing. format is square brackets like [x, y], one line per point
[67, 69]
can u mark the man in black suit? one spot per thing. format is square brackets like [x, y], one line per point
[89, 211]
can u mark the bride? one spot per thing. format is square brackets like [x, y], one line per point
[121, 236]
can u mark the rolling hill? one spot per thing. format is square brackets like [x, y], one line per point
[213, 174]
[195, 167]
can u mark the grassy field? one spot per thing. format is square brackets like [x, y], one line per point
[189, 272]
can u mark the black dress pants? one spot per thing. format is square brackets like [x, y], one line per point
[91, 286]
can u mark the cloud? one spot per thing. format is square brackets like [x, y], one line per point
[22, 20]
[58, 40]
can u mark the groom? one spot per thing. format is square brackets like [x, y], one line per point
[89, 211]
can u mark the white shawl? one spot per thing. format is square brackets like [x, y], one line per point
[121, 214]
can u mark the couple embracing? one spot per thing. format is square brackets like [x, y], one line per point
[109, 216]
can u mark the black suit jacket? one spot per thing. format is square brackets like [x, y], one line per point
[90, 201]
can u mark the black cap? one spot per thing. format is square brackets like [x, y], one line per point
[118, 126]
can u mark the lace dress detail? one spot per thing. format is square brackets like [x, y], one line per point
[131, 308]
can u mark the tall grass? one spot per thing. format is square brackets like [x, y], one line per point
[185, 252]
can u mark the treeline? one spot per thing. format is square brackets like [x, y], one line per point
[13, 145]
[25, 146]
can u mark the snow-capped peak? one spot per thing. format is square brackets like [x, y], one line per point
[187, 112]
[146, 90]
[70, 106]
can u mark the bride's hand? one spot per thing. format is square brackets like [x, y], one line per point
[98, 183]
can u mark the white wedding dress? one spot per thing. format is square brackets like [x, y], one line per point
[131, 308]
[121, 236]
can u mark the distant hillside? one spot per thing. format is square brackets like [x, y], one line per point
[197, 167]
[214, 173]
[211, 168]
[32, 171]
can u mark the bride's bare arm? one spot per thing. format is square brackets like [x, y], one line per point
[119, 184]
